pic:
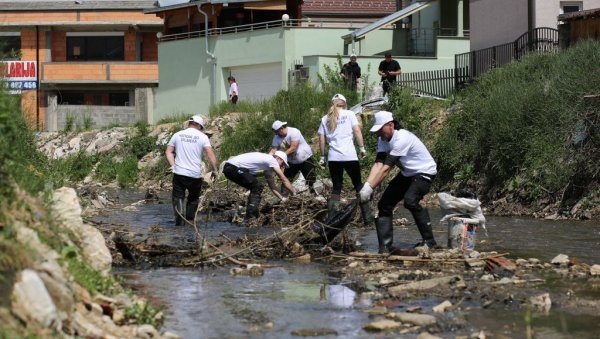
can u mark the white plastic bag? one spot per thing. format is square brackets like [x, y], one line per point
[454, 207]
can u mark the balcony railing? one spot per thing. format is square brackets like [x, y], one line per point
[101, 71]
[308, 23]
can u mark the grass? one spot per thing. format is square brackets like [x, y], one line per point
[515, 131]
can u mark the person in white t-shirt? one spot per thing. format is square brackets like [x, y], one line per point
[233, 90]
[339, 128]
[184, 154]
[242, 170]
[418, 169]
[298, 152]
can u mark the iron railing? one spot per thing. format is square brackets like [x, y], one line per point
[438, 83]
[468, 66]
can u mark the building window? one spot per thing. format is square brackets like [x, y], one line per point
[570, 6]
[117, 98]
[95, 48]
[10, 46]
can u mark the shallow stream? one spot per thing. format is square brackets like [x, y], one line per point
[211, 303]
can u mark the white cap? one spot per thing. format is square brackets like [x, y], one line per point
[278, 124]
[381, 118]
[339, 97]
[283, 157]
[353, 55]
[197, 119]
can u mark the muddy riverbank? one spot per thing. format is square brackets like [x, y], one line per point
[509, 288]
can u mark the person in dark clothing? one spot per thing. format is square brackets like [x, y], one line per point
[389, 69]
[351, 72]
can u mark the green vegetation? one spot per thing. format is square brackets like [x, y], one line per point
[520, 129]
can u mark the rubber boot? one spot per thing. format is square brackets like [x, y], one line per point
[253, 204]
[179, 211]
[385, 234]
[190, 210]
[423, 222]
[333, 205]
[365, 212]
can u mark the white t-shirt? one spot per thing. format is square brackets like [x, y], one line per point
[254, 162]
[340, 141]
[233, 88]
[414, 156]
[303, 151]
[189, 145]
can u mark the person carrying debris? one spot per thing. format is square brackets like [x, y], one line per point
[337, 128]
[242, 170]
[298, 152]
[184, 154]
[399, 146]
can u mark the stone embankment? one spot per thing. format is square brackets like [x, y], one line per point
[45, 299]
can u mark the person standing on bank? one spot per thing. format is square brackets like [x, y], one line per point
[242, 170]
[398, 146]
[298, 152]
[337, 128]
[233, 90]
[389, 69]
[184, 154]
[351, 72]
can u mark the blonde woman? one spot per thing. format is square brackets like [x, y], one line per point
[339, 128]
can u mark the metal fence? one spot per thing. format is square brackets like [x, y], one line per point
[439, 83]
[471, 65]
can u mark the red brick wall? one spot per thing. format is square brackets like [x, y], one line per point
[28, 99]
[130, 45]
[149, 47]
[59, 46]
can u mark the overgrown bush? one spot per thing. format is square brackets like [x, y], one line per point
[516, 129]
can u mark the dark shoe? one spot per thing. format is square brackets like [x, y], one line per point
[333, 205]
[408, 252]
[423, 222]
[178, 211]
[385, 234]
[367, 215]
[190, 211]
[253, 204]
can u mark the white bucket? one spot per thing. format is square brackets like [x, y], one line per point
[461, 233]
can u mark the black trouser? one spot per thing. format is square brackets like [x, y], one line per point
[410, 189]
[244, 178]
[181, 183]
[336, 171]
[387, 85]
[307, 168]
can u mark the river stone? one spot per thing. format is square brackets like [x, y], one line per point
[541, 302]
[31, 302]
[94, 250]
[314, 332]
[147, 331]
[413, 318]
[60, 293]
[421, 285]
[595, 270]
[427, 335]
[382, 325]
[441, 308]
[561, 259]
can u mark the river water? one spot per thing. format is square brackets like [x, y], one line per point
[211, 303]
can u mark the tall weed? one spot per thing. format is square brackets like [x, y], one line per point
[517, 123]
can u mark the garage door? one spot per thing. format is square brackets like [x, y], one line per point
[257, 82]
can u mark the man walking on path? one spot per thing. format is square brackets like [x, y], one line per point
[398, 146]
[389, 69]
[233, 90]
[184, 154]
[298, 152]
[242, 169]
